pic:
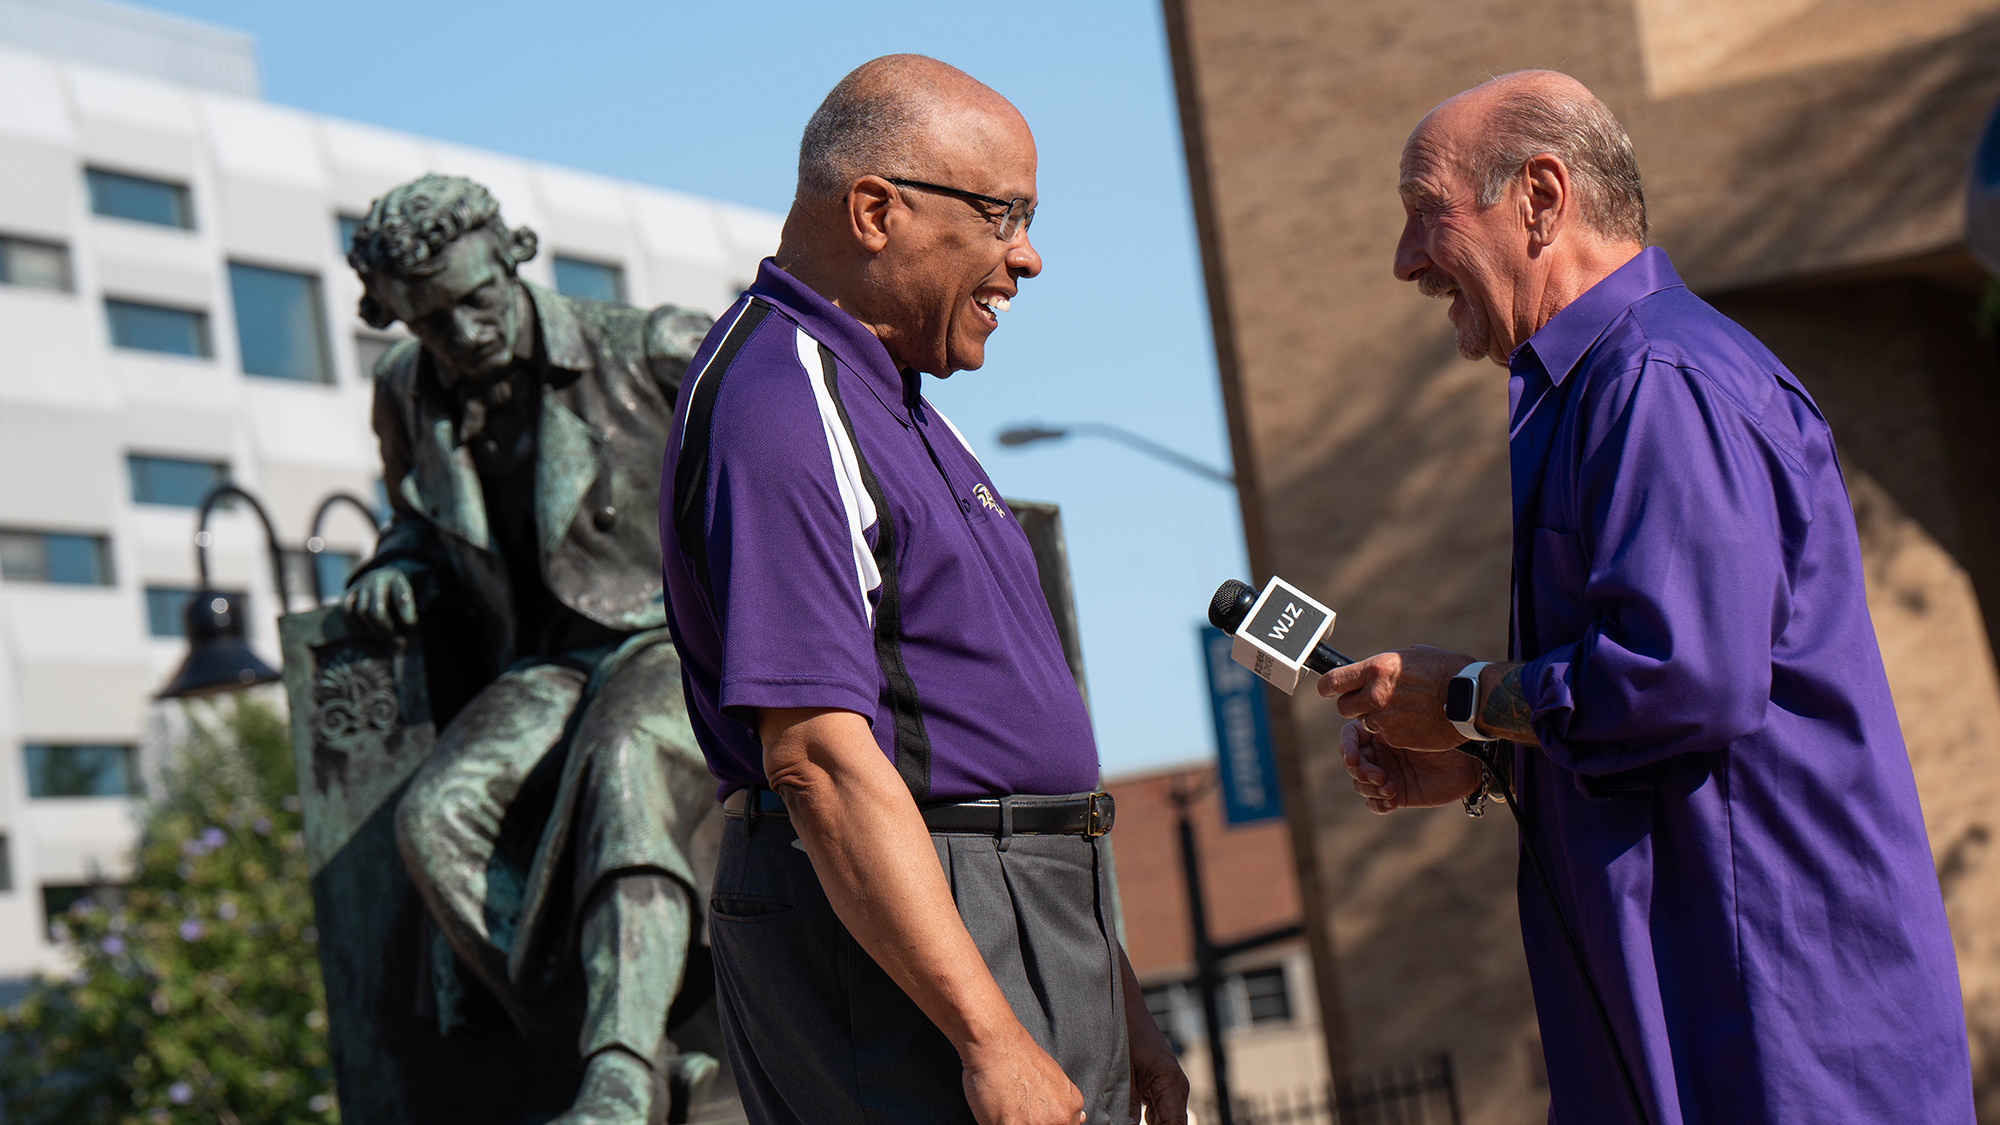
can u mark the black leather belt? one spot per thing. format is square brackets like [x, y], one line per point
[1078, 814]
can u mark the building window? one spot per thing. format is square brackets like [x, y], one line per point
[47, 556]
[280, 328]
[6, 865]
[41, 265]
[594, 280]
[344, 227]
[157, 328]
[119, 196]
[369, 349]
[57, 900]
[1266, 996]
[81, 771]
[334, 567]
[173, 481]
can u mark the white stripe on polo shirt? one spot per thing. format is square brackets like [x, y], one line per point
[694, 384]
[846, 472]
[954, 430]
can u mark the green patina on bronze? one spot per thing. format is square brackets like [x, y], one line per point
[508, 820]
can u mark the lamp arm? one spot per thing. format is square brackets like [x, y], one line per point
[1154, 448]
[208, 502]
[315, 544]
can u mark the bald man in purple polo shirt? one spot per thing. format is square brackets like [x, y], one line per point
[1707, 759]
[912, 919]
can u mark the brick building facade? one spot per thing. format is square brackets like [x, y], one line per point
[1804, 162]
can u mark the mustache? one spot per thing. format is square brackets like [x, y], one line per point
[1433, 283]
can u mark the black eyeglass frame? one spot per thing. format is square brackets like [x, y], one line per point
[1019, 217]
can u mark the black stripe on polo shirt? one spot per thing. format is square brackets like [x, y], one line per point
[691, 469]
[913, 742]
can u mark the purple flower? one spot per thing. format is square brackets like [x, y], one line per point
[113, 946]
[190, 930]
[261, 826]
[192, 846]
[179, 1093]
[212, 837]
[226, 910]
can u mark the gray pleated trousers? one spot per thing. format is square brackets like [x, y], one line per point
[819, 1035]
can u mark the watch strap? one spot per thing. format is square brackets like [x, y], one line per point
[1466, 728]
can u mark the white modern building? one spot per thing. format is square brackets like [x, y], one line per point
[175, 307]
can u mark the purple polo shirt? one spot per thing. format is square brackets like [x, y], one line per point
[830, 541]
[1724, 800]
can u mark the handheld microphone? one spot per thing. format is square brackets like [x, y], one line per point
[1278, 632]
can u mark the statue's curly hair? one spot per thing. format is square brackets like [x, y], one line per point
[407, 230]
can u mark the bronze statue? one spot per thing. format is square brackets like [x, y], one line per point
[548, 833]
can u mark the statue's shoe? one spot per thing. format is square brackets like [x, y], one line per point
[617, 1090]
[688, 1078]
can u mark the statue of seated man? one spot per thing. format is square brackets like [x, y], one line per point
[521, 434]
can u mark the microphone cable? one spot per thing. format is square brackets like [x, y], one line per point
[1488, 757]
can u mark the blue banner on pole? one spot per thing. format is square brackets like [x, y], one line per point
[1248, 767]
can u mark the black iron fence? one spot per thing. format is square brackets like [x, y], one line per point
[1417, 1093]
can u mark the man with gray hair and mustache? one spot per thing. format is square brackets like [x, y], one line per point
[1728, 904]
[912, 917]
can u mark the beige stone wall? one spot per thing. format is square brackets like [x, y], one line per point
[1783, 142]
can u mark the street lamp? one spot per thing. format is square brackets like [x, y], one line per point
[1034, 432]
[219, 658]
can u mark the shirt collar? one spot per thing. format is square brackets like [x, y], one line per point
[1561, 343]
[827, 323]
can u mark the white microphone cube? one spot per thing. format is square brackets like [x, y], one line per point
[1279, 633]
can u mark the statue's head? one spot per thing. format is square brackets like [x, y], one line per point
[434, 254]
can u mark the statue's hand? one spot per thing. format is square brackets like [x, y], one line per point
[382, 601]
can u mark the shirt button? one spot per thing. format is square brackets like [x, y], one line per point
[965, 506]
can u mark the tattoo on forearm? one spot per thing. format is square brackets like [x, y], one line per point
[1505, 712]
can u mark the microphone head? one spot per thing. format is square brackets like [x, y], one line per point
[1231, 602]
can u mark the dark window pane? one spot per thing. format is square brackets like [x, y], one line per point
[333, 568]
[369, 350]
[58, 900]
[77, 560]
[139, 199]
[172, 481]
[80, 771]
[345, 226]
[43, 265]
[34, 556]
[278, 324]
[23, 557]
[1269, 1000]
[166, 607]
[6, 865]
[595, 280]
[155, 328]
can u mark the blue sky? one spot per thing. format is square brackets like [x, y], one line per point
[710, 99]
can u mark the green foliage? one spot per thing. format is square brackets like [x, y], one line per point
[196, 995]
[1988, 316]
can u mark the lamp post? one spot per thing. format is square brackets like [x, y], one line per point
[1034, 432]
[219, 658]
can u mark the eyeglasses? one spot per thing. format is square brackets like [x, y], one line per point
[1019, 212]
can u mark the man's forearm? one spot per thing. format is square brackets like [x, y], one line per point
[875, 860]
[1503, 712]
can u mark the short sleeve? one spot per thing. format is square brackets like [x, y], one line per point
[794, 615]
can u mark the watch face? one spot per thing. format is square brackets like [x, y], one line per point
[1458, 699]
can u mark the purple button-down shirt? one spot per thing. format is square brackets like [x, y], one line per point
[830, 541]
[1723, 798]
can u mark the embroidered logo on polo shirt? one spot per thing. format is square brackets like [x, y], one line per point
[986, 496]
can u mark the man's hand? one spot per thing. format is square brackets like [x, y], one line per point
[1400, 695]
[382, 601]
[1017, 1083]
[1392, 779]
[867, 842]
[1157, 1082]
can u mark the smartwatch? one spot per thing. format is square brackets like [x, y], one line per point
[1461, 700]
